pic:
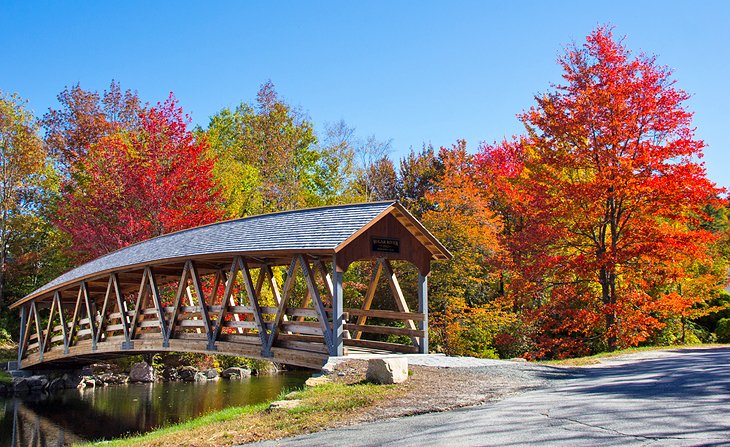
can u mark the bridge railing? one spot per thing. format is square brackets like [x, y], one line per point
[115, 321]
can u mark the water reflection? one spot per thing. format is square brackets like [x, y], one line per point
[104, 413]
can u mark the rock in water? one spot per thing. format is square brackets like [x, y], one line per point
[141, 372]
[187, 373]
[235, 373]
[387, 370]
[211, 373]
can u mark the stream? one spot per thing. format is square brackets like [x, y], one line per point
[74, 416]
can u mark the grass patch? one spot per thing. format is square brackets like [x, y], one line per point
[596, 358]
[321, 407]
[5, 378]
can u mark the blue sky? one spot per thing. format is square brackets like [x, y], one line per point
[410, 71]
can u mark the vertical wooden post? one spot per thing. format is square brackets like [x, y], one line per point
[423, 309]
[337, 310]
[21, 335]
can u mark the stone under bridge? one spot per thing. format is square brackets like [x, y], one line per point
[265, 287]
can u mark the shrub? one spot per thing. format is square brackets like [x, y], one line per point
[723, 330]
[5, 336]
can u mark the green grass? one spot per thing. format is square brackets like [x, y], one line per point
[595, 359]
[320, 407]
[218, 416]
[5, 378]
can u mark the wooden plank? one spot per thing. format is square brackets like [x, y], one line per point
[317, 346]
[301, 328]
[302, 313]
[149, 323]
[386, 330]
[371, 344]
[241, 324]
[114, 327]
[191, 323]
[385, 314]
[240, 309]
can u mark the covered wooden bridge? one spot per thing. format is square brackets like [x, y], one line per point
[222, 288]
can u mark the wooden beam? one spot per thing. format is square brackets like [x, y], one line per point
[181, 289]
[318, 305]
[369, 295]
[141, 300]
[288, 284]
[101, 327]
[338, 319]
[400, 300]
[61, 319]
[38, 330]
[224, 301]
[74, 319]
[423, 310]
[49, 327]
[158, 305]
[197, 284]
[254, 300]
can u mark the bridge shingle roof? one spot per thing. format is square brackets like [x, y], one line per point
[306, 230]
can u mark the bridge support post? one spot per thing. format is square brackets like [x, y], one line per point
[338, 348]
[423, 309]
[21, 335]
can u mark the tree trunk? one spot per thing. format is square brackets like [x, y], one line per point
[608, 296]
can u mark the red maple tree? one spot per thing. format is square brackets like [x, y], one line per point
[133, 186]
[603, 193]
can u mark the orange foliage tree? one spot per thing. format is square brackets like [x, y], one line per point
[602, 196]
[464, 295]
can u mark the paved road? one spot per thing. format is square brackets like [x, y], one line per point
[674, 398]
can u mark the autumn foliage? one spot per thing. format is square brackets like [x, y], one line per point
[595, 229]
[612, 201]
[136, 185]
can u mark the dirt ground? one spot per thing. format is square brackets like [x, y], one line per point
[432, 389]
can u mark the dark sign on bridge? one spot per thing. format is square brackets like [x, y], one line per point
[385, 245]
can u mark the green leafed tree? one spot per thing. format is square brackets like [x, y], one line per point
[28, 243]
[267, 156]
